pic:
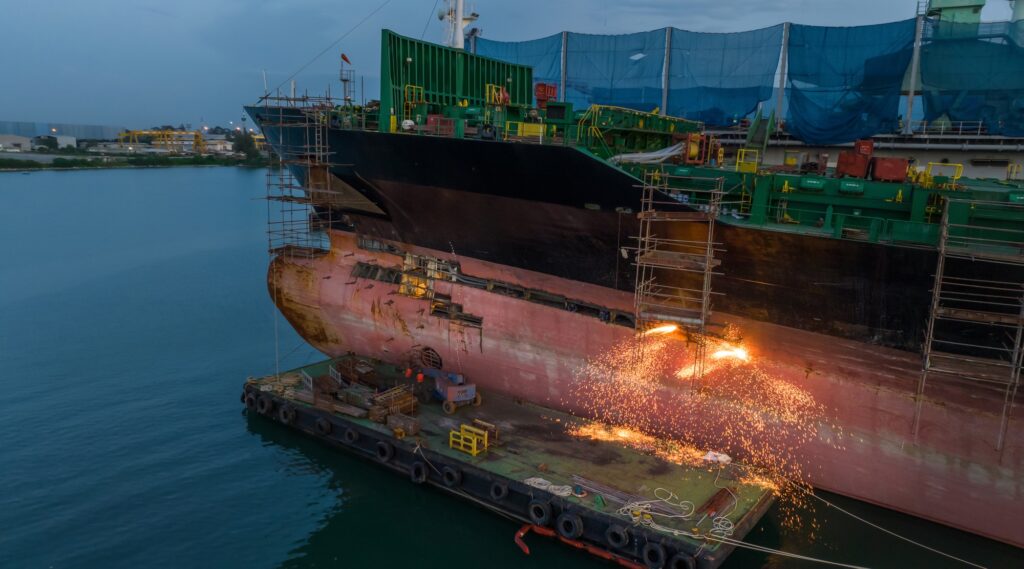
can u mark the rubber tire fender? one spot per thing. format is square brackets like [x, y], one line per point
[539, 512]
[418, 472]
[569, 525]
[264, 405]
[653, 555]
[324, 426]
[451, 477]
[385, 451]
[286, 414]
[250, 401]
[499, 491]
[617, 536]
[682, 561]
[351, 435]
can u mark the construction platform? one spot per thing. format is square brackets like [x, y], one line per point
[600, 495]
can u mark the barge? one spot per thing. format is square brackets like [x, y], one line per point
[599, 494]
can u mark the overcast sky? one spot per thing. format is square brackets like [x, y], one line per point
[140, 63]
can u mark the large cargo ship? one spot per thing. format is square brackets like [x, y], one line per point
[472, 221]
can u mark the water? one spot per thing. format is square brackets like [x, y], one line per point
[132, 307]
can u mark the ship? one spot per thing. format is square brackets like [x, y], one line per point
[471, 220]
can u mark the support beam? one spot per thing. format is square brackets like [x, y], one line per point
[781, 87]
[565, 59]
[915, 71]
[666, 69]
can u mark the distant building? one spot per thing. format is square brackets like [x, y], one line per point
[13, 142]
[218, 145]
[89, 131]
[62, 141]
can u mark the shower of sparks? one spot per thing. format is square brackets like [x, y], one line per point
[640, 394]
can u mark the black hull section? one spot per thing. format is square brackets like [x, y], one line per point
[558, 211]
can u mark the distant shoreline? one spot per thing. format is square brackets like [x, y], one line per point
[75, 163]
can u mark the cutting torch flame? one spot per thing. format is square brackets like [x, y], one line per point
[666, 329]
[737, 353]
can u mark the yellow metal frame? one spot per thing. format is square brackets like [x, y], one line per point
[744, 163]
[492, 94]
[413, 95]
[468, 439]
[958, 170]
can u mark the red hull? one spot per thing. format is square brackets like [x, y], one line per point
[952, 474]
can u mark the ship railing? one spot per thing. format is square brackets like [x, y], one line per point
[948, 128]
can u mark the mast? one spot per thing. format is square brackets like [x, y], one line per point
[457, 20]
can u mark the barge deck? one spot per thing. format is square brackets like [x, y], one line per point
[602, 495]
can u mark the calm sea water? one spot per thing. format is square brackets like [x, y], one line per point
[132, 308]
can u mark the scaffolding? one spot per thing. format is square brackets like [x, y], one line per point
[675, 258]
[975, 329]
[299, 193]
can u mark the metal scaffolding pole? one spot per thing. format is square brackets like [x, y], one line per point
[666, 69]
[781, 88]
[565, 58]
[915, 70]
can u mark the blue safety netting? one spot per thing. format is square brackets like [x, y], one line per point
[974, 72]
[721, 78]
[623, 70]
[544, 55]
[845, 83]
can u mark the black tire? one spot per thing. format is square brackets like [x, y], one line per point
[250, 402]
[452, 478]
[385, 452]
[499, 491]
[569, 525]
[264, 405]
[682, 561]
[351, 435]
[617, 536]
[449, 407]
[286, 414]
[539, 512]
[477, 400]
[324, 426]
[418, 472]
[653, 555]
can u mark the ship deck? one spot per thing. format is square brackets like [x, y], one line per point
[536, 442]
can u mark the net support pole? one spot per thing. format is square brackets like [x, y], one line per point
[781, 87]
[564, 64]
[915, 70]
[665, 71]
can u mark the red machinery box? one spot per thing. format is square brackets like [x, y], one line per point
[852, 164]
[889, 169]
[864, 147]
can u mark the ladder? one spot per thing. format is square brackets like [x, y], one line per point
[975, 329]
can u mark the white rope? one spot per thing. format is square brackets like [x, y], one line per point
[892, 533]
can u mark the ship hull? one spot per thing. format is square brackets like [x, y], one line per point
[558, 211]
[950, 474]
